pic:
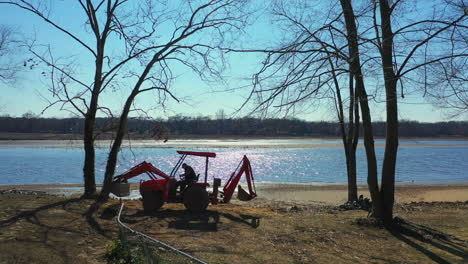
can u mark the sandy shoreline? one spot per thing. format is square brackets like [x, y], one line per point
[305, 193]
[337, 193]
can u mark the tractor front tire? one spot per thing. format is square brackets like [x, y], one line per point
[196, 198]
[152, 200]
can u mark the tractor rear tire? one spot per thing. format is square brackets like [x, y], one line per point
[196, 198]
[152, 200]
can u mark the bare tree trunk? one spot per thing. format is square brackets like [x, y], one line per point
[352, 141]
[113, 154]
[347, 137]
[89, 126]
[89, 160]
[372, 180]
[352, 185]
[88, 140]
[350, 155]
[391, 142]
[350, 150]
[353, 47]
[88, 167]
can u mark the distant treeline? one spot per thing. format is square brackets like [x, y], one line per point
[204, 126]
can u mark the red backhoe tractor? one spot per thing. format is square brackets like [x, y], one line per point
[195, 196]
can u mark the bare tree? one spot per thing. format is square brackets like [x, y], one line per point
[315, 56]
[220, 114]
[356, 71]
[151, 38]
[67, 89]
[216, 19]
[414, 45]
[312, 64]
[445, 81]
[9, 67]
[448, 82]
[399, 52]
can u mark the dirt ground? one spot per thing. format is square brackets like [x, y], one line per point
[42, 228]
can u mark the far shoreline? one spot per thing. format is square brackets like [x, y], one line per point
[227, 142]
[15, 137]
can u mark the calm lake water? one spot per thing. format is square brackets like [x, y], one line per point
[425, 161]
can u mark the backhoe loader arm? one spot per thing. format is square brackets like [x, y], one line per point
[144, 167]
[244, 167]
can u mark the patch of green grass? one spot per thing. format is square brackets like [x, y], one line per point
[121, 253]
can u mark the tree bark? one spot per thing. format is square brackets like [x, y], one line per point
[372, 180]
[89, 126]
[352, 175]
[347, 137]
[391, 139]
[88, 167]
[355, 63]
[352, 141]
[88, 140]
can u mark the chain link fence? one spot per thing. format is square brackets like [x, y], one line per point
[136, 247]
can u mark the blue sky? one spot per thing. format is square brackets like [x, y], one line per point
[200, 98]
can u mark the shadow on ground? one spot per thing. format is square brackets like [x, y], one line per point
[31, 215]
[429, 241]
[207, 221]
[38, 229]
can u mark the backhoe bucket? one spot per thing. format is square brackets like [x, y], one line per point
[242, 195]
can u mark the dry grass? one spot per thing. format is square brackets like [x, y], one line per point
[50, 229]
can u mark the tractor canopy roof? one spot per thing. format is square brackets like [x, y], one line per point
[197, 153]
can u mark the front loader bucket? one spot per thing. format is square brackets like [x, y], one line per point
[242, 195]
[120, 189]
